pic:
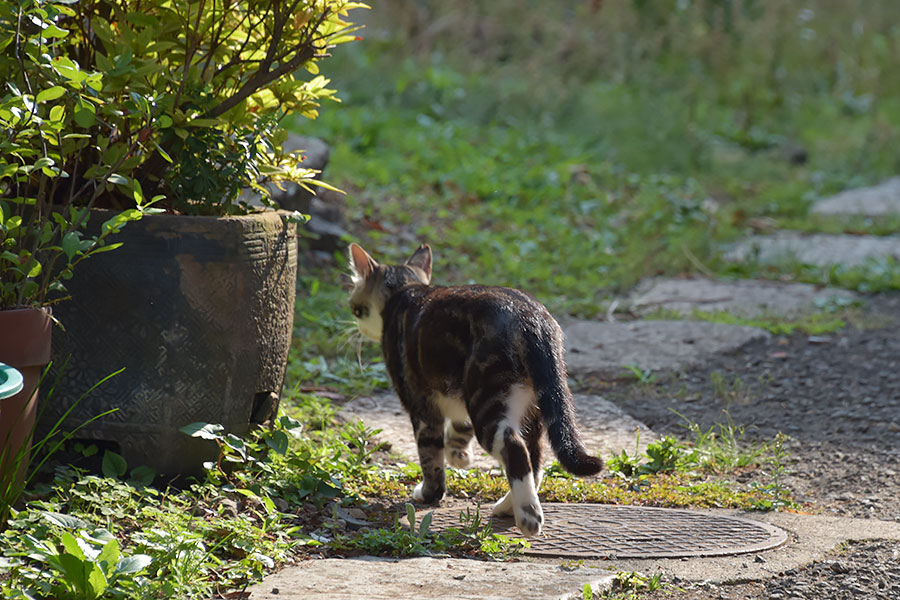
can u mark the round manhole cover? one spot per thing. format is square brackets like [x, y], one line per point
[604, 531]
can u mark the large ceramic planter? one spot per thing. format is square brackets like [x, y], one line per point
[25, 336]
[199, 312]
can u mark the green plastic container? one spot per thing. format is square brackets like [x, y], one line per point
[10, 381]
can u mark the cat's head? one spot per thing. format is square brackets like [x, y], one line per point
[374, 283]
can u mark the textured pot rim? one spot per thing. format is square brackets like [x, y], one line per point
[262, 214]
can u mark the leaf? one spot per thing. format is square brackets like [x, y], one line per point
[83, 117]
[117, 179]
[133, 564]
[114, 466]
[71, 545]
[96, 581]
[206, 431]
[163, 152]
[64, 521]
[411, 516]
[143, 475]
[106, 248]
[35, 269]
[278, 441]
[76, 572]
[57, 113]
[425, 524]
[109, 557]
[71, 244]
[51, 93]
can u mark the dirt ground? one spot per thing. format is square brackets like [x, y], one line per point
[837, 397]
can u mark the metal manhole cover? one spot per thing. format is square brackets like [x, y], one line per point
[606, 531]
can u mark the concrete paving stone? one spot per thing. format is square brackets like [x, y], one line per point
[375, 578]
[607, 349]
[746, 298]
[818, 249]
[604, 427]
[878, 200]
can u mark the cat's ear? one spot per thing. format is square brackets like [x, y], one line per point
[421, 258]
[361, 263]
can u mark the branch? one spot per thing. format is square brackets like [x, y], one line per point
[260, 80]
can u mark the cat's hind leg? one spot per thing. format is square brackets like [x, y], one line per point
[430, 443]
[458, 444]
[506, 443]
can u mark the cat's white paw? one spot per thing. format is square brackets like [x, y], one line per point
[458, 457]
[423, 496]
[418, 495]
[504, 506]
[529, 519]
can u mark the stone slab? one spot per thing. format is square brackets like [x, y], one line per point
[375, 578]
[604, 427]
[607, 349]
[878, 200]
[817, 249]
[746, 298]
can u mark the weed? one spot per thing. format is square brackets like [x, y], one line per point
[722, 446]
[82, 563]
[776, 495]
[629, 585]
[663, 456]
[729, 392]
[473, 538]
[642, 376]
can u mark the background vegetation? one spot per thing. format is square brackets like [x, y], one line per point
[573, 148]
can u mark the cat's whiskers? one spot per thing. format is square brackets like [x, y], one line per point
[353, 340]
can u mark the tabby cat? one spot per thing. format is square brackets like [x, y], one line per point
[472, 361]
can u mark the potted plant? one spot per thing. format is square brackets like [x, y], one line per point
[42, 210]
[175, 106]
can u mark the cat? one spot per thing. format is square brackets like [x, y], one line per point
[471, 362]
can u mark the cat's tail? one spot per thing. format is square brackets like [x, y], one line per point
[555, 401]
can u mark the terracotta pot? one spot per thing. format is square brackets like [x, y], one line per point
[24, 344]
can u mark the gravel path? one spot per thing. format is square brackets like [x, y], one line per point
[838, 398]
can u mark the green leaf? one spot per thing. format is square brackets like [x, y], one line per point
[109, 557]
[425, 524]
[96, 582]
[411, 517]
[143, 475]
[71, 244]
[206, 431]
[133, 564]
[71, 545]
[106, 248]
[76, 572]
[52, 31]
[163, 152]
[114, 465]
[35, 269]
[57, 113]
[85, 118]
[51, 93]
[117, 179]
[278, 441]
